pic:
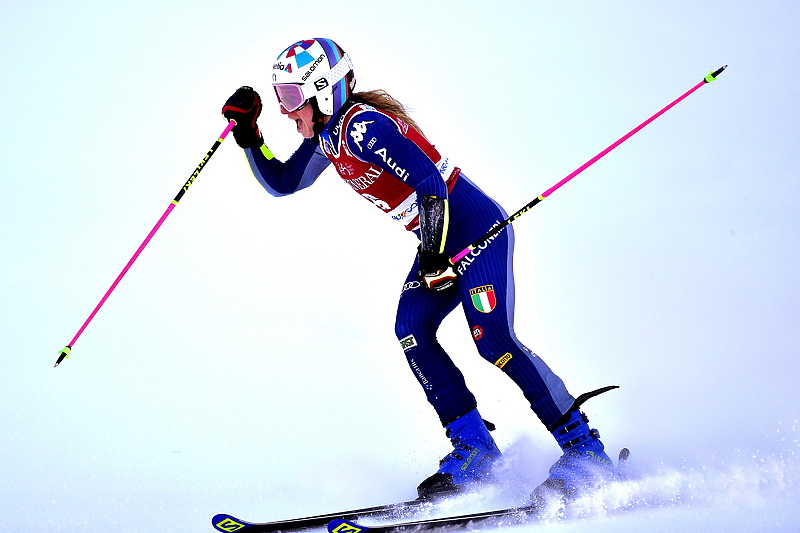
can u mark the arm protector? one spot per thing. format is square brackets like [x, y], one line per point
[434, 218]
[435, 269]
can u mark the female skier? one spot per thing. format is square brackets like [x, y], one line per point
[381, 153]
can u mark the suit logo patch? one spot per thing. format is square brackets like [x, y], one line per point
[408, 342]
[477, 332]
[358, 131]
[500, 363]
[483, 298]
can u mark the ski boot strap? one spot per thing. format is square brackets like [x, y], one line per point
[580, 438]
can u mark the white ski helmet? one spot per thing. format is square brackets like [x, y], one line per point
[314, 68]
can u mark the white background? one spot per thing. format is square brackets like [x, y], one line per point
[247, 362]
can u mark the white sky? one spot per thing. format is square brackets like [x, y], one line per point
[247, 362]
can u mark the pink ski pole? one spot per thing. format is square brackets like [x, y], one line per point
[68, 348]
[499, 227]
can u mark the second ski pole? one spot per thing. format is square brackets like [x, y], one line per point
[68, 348]
[499, 227]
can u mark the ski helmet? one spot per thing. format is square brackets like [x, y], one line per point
[314, 68]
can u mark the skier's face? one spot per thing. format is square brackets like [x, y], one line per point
[303, 118]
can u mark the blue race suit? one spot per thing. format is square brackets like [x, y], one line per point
[391, 164]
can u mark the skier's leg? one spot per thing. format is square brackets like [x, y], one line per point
[419, 315]
[487, 286]
[487, 289]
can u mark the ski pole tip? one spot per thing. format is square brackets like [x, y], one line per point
[63, 354]
[715, 73]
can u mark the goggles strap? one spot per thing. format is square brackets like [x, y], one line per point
[335, 74]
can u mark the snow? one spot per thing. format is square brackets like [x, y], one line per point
[247, 363]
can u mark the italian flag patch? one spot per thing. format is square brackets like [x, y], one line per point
[483, 298]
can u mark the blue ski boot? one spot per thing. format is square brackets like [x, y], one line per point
[583, 466]
[474, 451]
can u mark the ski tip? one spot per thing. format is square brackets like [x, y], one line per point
[63, 354]
[228, 524]
[345, 526]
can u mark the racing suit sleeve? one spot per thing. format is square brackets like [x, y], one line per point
[283, 178]
[374, 138]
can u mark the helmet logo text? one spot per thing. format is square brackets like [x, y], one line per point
[313, 67]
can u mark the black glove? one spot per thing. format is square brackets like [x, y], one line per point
[244, 106]
[436, 271]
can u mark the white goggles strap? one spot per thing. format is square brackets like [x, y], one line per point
[339, 71]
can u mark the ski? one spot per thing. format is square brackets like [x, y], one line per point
[345, 521]
[513, 515]
[229, 524]
[499, 517]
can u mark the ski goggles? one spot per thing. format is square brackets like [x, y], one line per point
[290, 96]
[293, 96]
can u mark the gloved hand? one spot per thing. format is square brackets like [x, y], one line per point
[244, 106]
[435, 271]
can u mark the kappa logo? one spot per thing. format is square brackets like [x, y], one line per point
[229, 525]
[358, 131]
